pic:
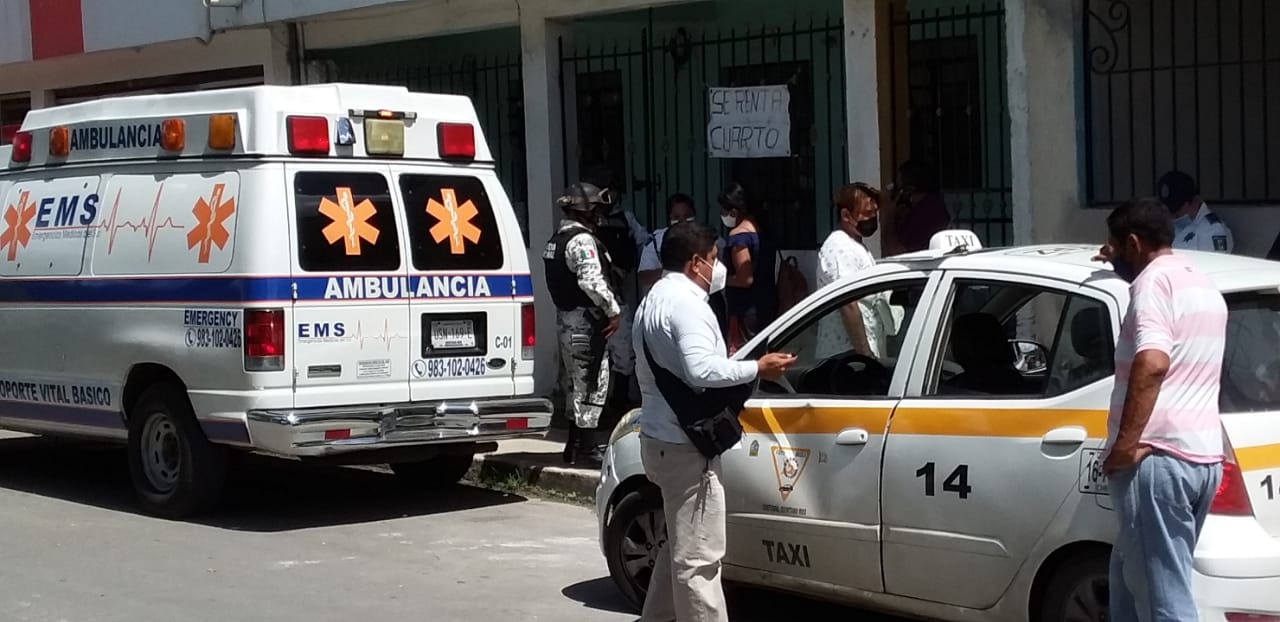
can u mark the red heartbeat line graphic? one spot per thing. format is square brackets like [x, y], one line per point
[146, 225]
[386, 336]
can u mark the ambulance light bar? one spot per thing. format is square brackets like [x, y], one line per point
[21, 147]
[457, 141]
[308, 135]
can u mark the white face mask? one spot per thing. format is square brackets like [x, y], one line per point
[729, 221]
[719, 276]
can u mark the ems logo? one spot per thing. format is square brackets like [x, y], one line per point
[788, 465]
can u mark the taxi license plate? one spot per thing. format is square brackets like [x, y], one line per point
[1092, 480]
[453, 335]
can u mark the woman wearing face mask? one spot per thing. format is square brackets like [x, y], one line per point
[749, 293]
[862, 325]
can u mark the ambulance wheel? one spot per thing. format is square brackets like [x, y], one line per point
[1078, 591]
[636, 529]
[176, 471]
[438, 472]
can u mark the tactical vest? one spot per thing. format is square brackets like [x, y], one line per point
[563, 282]
[615, 232]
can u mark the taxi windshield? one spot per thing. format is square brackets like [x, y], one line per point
[1251, 362]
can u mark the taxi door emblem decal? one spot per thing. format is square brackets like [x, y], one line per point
[350, 221]
[17, 221]
[788, 465]
[211, 217]
[455, 221]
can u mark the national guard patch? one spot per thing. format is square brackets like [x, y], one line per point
[1219, 242]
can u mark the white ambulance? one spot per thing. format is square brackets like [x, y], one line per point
[328, 272]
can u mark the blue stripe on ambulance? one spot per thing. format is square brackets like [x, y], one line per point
[243, 289]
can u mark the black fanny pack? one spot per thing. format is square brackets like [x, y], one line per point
[709, 418]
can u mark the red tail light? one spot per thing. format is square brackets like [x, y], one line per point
[528, 332]
[21, 147]
[1236, 616]
[264, 339]
[457, 140]
[308, 135]
[1232, 498]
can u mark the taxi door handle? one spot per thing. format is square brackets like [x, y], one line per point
[1069, 435]
[852, 436]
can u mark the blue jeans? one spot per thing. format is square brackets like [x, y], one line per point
[1162, 505]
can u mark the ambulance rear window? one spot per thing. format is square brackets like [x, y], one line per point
[346, 222]
[451, 223]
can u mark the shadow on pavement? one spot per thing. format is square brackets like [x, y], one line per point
[746, 604]
[599, 594]
[262, 494]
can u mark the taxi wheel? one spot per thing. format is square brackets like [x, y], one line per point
[442, 470]
[1078, 592]
[635, 531]
[176, 471]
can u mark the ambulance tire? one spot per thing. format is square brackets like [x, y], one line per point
[1078, 590]
[438, 472]
[630, 522]
[184, 473]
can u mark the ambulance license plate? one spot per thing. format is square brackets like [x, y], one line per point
[453, 335]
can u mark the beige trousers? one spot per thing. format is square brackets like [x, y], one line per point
[685, 586]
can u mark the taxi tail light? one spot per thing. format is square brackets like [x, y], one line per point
[1232, 497]
[21, 147]
[457, 140]
[528, 332]
[337, 435]
[264, 339]
[519, 423]
[1241, 616]
[308, 135]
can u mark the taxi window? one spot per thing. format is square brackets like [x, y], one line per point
[836, 358]
[346, 222]
[1251, 361]
[451, 223]
[1015, 340]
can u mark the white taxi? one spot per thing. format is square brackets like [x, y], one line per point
[955, 475]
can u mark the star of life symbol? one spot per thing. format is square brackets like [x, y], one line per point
[788, 465]
[455, 221]
[17, 230]
[210, 230]
[350, 221]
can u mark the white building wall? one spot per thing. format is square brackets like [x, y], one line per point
[15, 35]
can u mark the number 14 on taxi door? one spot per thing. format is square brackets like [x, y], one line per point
[957, 482]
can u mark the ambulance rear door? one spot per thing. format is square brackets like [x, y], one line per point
[351, 309]
[465, 319]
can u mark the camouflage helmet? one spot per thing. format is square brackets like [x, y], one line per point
[584, 197]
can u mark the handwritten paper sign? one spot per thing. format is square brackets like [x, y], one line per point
[749, 122]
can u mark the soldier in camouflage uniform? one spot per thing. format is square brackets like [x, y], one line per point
[588, 309]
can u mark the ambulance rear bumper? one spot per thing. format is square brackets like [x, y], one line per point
[332, 431]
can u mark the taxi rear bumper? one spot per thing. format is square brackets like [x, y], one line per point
[332, 431]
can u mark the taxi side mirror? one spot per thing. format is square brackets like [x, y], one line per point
[1029, 356]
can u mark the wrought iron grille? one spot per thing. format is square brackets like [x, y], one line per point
[1192, 85]
[950, 109]
[642, 113]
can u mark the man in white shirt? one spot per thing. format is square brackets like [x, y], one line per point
[1195, 226]
[863, 325]
[683, 336]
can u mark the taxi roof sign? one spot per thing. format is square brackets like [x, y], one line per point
[130, 127]
[955, 241]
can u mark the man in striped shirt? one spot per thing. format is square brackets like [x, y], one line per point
[1164, 444]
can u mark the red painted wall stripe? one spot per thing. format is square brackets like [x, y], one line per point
[57, 28]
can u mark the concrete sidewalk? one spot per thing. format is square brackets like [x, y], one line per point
[536, 462]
